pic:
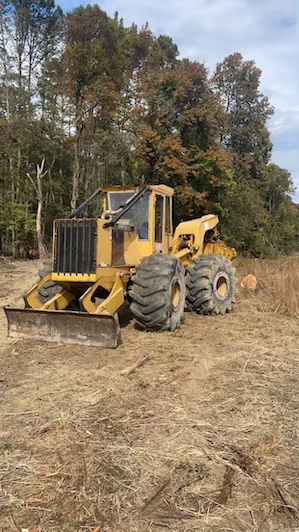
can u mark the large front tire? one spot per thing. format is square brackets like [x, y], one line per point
[49, 289]
[211, 285]
[158, 293]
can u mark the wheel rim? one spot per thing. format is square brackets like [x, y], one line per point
[176, 294]
[221, 285]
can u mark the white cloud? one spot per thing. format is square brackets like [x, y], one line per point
[266, 31]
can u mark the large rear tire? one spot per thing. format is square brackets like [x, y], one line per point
[158, 293]
[211, 285]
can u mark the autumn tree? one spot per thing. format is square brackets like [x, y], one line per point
[103, 103]
[177, 131]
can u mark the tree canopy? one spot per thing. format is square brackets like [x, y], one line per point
[102, 103]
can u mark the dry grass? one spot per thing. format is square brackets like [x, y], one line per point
[278, 280]
[202, 438]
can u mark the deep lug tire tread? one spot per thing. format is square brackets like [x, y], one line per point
[151, 293]
[50, 288]
[201, 296]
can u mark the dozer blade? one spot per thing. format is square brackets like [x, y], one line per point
[66, 327]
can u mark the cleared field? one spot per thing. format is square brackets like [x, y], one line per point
[203, 437]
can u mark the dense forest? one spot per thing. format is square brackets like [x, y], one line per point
[86, 101]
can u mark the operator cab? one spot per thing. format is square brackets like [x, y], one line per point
[147, 211]
[125, 214]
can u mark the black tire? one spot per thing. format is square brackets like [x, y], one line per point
[211, 285]
[50, 289]
[158, 293]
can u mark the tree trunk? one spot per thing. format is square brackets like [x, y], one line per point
[13, 233]
[122, 171]
[42, 252]
[76, 168]
[38, 224]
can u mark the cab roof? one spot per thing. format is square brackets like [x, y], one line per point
[163, 189]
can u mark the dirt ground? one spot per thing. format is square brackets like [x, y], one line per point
[203, 437]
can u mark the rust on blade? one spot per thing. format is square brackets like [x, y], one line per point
[65, 327]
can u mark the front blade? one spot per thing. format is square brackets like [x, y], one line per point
[62, 326]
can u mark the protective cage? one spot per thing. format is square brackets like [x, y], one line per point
[75, 246]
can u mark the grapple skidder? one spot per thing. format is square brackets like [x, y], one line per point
[127, 253]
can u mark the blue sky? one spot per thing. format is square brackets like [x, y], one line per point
[266, 31]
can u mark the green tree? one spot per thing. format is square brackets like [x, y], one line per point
[251, 216]
[93, 64]
[103, 103]
[246, 110]
[29, 35]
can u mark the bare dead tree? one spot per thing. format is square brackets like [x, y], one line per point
[37, 185]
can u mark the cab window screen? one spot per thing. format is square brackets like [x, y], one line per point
[116, 200]
[139, 216]
[159, 219]
[168, 228]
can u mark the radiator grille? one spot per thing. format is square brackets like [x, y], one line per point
[75, 246]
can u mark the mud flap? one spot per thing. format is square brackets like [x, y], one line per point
[65, 327]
